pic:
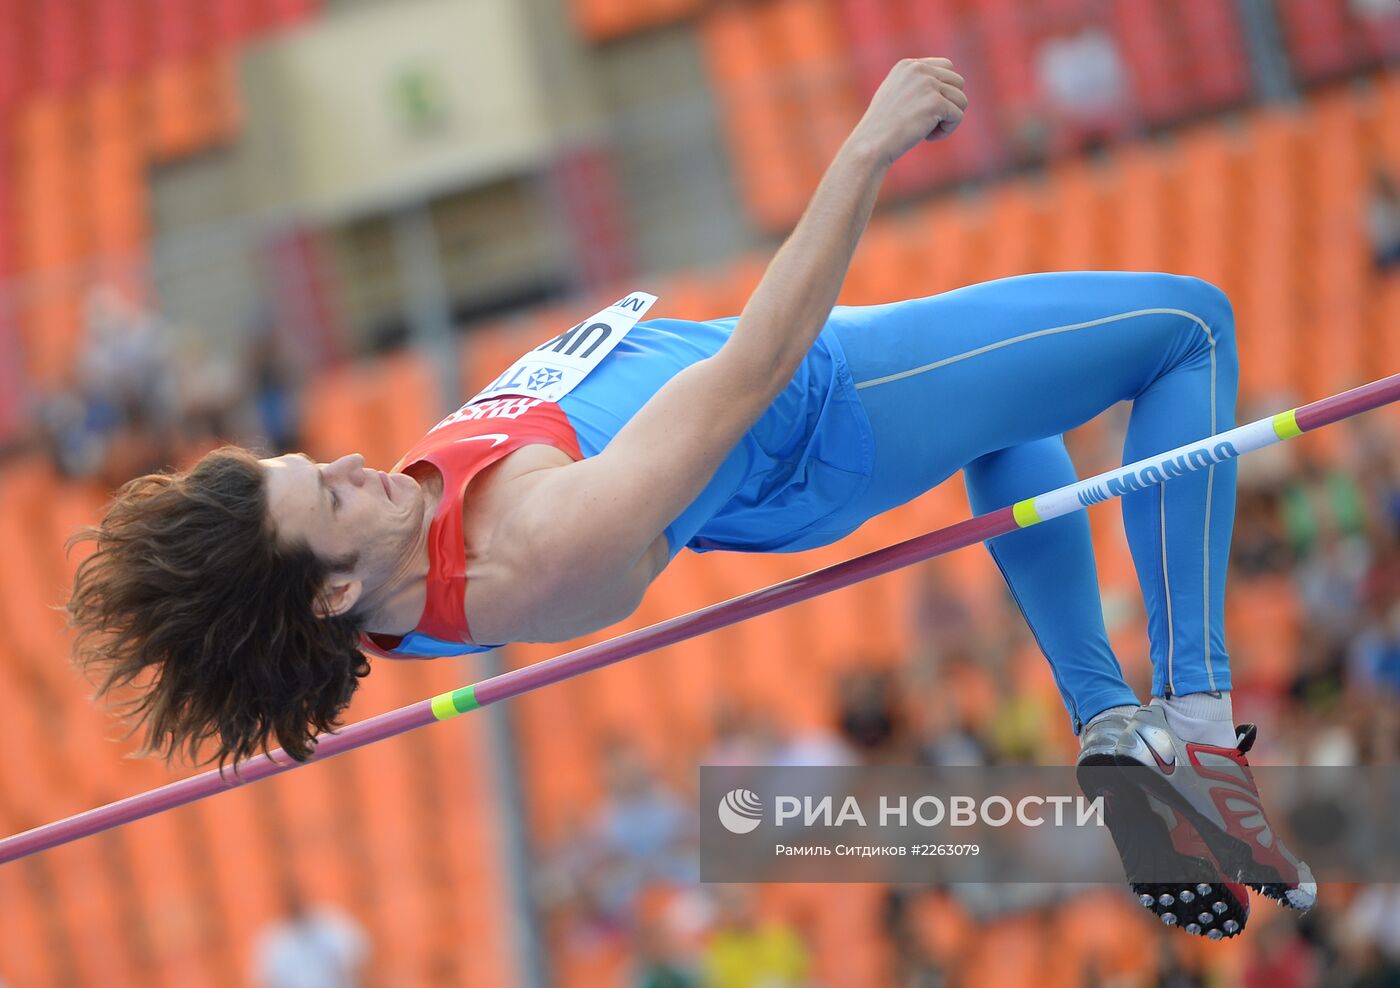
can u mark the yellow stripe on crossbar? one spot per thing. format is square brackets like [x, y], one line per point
[1025, 514]
[443, 707]
[1286, 424]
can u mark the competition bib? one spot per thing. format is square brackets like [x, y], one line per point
[553, 369]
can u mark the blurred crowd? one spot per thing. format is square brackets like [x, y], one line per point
[311, 946]
[1317, 539]
[143, 395]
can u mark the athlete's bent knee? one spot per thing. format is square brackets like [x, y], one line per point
[1209, 302]
[1211, 305]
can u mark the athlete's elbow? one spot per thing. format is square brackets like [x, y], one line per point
[745, 380]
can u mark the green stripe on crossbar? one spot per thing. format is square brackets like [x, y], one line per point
[1286, 424]
[1025, 513]
[447, 705]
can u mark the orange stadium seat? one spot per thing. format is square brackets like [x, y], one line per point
[177, 124]
[1208, 193]
[953, 240]
[166, 902]
[1336, 193]
[1012, 250]
[30, 951]
[93, 901]
[1268, 306]
[240, 872]
[36, 780]
[1076, 220]
[814, 60]
[1138, 206]
[752, 93]
[332, 426]
[699, 669]
[1385, 351]
[1264, 614]
[489, 350]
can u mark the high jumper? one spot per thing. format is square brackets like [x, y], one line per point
[241, 597]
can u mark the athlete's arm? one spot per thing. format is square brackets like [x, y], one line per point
[585, 528]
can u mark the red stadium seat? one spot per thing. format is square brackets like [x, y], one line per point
[1328, 38]
[1161, 87]
[1215, 51]
[120, 38]
[18, 59]
[64, 60]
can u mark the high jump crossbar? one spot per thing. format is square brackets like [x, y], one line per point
[1146, 472]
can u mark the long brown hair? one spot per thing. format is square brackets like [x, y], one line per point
[190, 599]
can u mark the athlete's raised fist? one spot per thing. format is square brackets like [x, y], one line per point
[922, 99]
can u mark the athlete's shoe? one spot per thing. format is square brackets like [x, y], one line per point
[1169, 867]
[1213, 789]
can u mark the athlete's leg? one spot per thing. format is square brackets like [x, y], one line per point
[1050, 570]
[949, 379]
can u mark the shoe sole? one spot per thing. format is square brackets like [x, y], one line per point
[1235, 855]
[1199, 902]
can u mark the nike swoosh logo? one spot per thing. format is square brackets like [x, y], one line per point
[1167, 767]
[496, 438]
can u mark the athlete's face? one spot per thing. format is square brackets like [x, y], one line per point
[342, 510]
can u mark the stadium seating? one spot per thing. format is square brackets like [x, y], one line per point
[83, 113]
[823, 59]
[406, 834]
[1328, 38]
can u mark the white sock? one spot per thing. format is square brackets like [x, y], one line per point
[1206, 718]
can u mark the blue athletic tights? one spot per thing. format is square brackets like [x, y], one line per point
[987, 379]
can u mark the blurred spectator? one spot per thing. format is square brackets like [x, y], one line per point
[135, 404]
[870, 717]
[914, 966]
[744, 736]
[1260, 544]
[642, 823]
[643, 834]
[1329, 583]
[1375, 654]
[125, 362]
[943, 620]
[661, 960]
[1281, 957]
[1383, 220]
[1321, 499]
[748, 952]
[1373, 921]
[741, 737]
[1177, 971]
[312, 947]
[1084, 85]
[274, 395]
[1374, 660]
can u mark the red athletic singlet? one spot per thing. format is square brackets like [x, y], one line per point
[459, 447]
